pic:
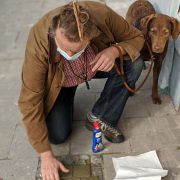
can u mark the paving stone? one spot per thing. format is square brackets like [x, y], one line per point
[6, 42]
[33, 8]
[96, 171]
[133, 109]
[176, 135]
[21, 169]
[81, 139]
[20, 145]
[175, 174]
[10, 81]
[9, 38]
[6, 137]
[83, 104]
[90, 178]
[71, 179]
[96, 86]
[69, 162]
[4, 68]
[162, 110]
[83, 159]
[155, 139]
[166, 139]
[170, 160]
[81, 171]
[10, 91]
[38, 172]
[9, 112]
[116, 148]
[19, 44]
[165, 109]
[96, 160]
[61, 149]
[138, 125]
[151, 141]
[143, 142]
[148, 84]
[165, 122]
[96, 165]
[108, 169]
[69, 174]
[46, 6]
[142, 97]
[75, 159]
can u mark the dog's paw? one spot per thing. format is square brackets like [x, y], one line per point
[156, 100]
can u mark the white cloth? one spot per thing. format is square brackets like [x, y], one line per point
[142, 167]
[166, 68]
[174, 13]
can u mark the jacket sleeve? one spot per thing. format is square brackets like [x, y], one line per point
[126, 35]
[31, 100]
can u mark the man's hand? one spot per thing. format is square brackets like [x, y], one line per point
[50, 167]
[104, 61]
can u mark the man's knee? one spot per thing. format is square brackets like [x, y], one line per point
[58, 138]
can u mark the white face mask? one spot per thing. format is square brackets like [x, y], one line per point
[66, 56]
[70, 58]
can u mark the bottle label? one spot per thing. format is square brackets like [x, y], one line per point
[98, 135]
[97, 144]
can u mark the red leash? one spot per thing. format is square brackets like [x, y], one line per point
[120, 69]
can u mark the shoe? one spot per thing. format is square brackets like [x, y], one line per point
[110, 133]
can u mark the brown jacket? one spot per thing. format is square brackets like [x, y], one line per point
[42, 72]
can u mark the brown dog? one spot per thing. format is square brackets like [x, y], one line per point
[157, 28]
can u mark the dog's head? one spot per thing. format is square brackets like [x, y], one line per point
[159, 28]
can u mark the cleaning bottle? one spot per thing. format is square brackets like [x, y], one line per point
[97, 144]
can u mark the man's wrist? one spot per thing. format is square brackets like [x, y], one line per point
[115, 51]
[46, 155]
[118, 49]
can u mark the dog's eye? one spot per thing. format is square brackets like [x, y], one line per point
[153, 31]
[166, 32]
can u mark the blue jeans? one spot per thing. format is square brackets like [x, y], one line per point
[108, 107]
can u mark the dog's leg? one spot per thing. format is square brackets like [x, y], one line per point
[156, 71]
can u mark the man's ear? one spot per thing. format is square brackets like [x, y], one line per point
[175, 24]
[144, 23]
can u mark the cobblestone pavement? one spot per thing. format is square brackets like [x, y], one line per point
[145, 125]
[82, 167]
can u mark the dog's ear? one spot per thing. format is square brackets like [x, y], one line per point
[175, 24]
[144, 23]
